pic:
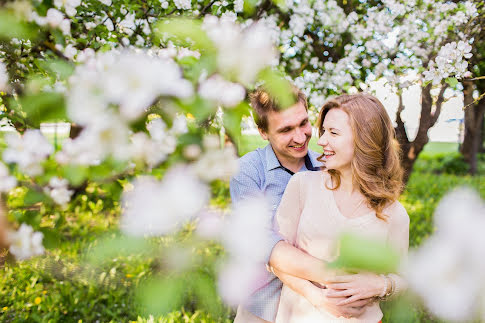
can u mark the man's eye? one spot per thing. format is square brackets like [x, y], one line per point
[334, 133]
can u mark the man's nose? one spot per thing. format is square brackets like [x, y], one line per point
[300, 136]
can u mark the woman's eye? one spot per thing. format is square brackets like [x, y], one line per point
[334, 133]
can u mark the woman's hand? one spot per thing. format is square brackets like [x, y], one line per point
[331, 304]
[356, 287]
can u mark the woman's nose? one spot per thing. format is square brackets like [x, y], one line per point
[322, 141]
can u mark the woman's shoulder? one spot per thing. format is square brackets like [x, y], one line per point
[308, 177]
[397, 213]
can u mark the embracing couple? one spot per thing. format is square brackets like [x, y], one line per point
[351, 186]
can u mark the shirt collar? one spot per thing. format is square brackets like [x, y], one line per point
[272, 161]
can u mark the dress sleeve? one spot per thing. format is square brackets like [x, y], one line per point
[289, 210]
[399, 239]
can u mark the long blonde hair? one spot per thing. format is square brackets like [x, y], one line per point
[376, 167]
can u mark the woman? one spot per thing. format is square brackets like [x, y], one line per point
[357, 192]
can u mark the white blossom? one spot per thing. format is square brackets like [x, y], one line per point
[54, 17]
[179, 125]
[451, 261]
[27, 151]
[158, 208]
[182, 4]
[241, 53]
[222, 92]
[145, 149]
[69, 5]
[25, 243]
[131, 80]
[245, 236]
[106, 135]
[217, 164]
[58, 190]
[7, 182]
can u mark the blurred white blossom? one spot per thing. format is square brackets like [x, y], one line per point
[242, 53]
[59, 191]
[129, 79]
[245, 236]
[222, 92]
[157, 208]
[217, 164]
[7, 182]
[451, 261]
[237, 280]
[27, 151]
[25, 243]
[106, 135]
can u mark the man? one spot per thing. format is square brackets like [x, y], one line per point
[267, 171]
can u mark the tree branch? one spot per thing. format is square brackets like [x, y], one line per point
[439, 103]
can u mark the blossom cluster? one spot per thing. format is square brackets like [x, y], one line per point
[450, 61]
[25, 243]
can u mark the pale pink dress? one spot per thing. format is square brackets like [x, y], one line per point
[308, 218]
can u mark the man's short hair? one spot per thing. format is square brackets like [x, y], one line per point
[262, 103]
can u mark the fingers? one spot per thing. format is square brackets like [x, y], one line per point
[341, 279]
[360, 302]
[339, 286]
[340, 293]
[349, 300]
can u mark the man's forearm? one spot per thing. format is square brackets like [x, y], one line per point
[291, 260]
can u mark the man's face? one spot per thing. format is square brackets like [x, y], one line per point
[289, 132]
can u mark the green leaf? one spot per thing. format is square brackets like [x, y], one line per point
[58, 67]
[112, 247]
[232, 123]
[33, 197]
[204, 288]
[43, 107]
[185, 32]
[75, 174]
[51, 239]
[452, 81]
[278, 87]
[161, 296]
[359, 253]
[12, 27]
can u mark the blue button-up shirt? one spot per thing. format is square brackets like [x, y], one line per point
[262, 173]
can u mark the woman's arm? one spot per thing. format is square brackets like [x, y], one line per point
[364, 285]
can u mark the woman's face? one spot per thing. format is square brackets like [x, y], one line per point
[337, 140]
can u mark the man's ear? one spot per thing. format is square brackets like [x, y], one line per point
[263, 134]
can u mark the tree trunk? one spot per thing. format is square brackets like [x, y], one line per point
[473, 127]
[429, 115]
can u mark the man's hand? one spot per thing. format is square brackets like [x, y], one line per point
[331, 304]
